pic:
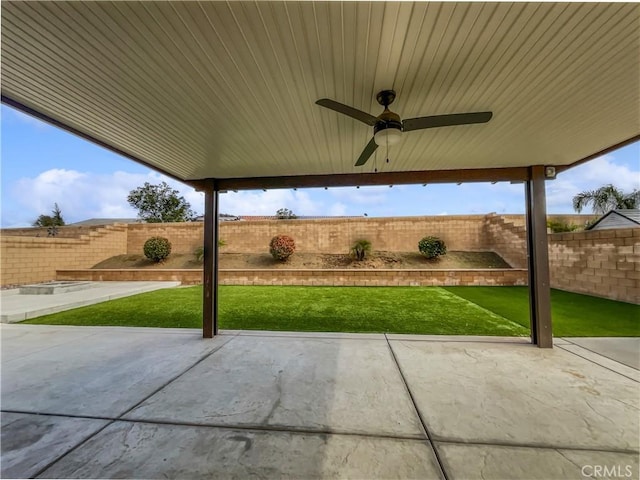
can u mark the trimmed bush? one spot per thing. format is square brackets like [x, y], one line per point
[282, 247]
[157, 249]
[432, 247]
[360, 249]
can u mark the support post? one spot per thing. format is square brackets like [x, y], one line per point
[210, 270]
[538, 259]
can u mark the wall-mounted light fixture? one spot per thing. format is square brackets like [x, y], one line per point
[550, 172]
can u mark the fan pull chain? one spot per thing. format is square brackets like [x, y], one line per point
[387, 149]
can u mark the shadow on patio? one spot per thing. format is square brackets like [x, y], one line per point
[149, 403]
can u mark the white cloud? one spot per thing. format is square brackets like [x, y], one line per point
[82, 195]
[338, 210]
[376, 195]
[269, 202]
[589, 176]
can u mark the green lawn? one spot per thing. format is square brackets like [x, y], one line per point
[321, 309]
[427, 310]
[572, 314]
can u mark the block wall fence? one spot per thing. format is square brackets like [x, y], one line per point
[399, 234]
[35, 259]
[600, 263]
[603, 263]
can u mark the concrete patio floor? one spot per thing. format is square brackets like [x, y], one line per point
[107, 402]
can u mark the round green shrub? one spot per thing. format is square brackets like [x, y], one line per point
[282, 247]
[432, 247]
[157, 248]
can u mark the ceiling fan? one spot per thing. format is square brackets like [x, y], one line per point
[388, 127]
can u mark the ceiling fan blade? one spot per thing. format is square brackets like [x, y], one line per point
[367, 152]
[347, 110]
[445, 120]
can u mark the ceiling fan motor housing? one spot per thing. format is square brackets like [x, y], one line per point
[388, 128]
[387, 119]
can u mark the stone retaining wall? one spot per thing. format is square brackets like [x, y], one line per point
[328, 277]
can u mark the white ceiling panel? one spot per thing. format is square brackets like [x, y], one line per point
[227, 89]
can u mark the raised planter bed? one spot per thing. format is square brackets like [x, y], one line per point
[328, 277]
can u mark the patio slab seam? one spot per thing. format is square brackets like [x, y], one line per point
[423, 423]
[599, 353]
[600, 364]
[224, 426]
[400, 337]
[112, 421]
[176, 377]
[313, 335]
[491, 443]
[275, 428]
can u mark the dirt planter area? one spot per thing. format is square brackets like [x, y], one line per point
[379, 269]
[304, 261]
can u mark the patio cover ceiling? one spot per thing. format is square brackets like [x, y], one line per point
[226, 90]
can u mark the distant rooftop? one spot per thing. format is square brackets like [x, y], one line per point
[91, 222]
[298, 217]
[618, 218]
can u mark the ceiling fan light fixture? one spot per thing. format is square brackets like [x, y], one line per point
[387, 136]
[388, 126]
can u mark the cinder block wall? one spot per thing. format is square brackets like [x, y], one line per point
[36, 259]
[507, 237]
[603, 263]
[184, 237]
[395, 234]
[66, 231]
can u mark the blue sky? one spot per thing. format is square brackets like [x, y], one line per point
[42, 164]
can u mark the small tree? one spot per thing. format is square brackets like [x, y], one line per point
[606, 198]
[53, 220]
[360, 249]
[160, 203]
[285, 214]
